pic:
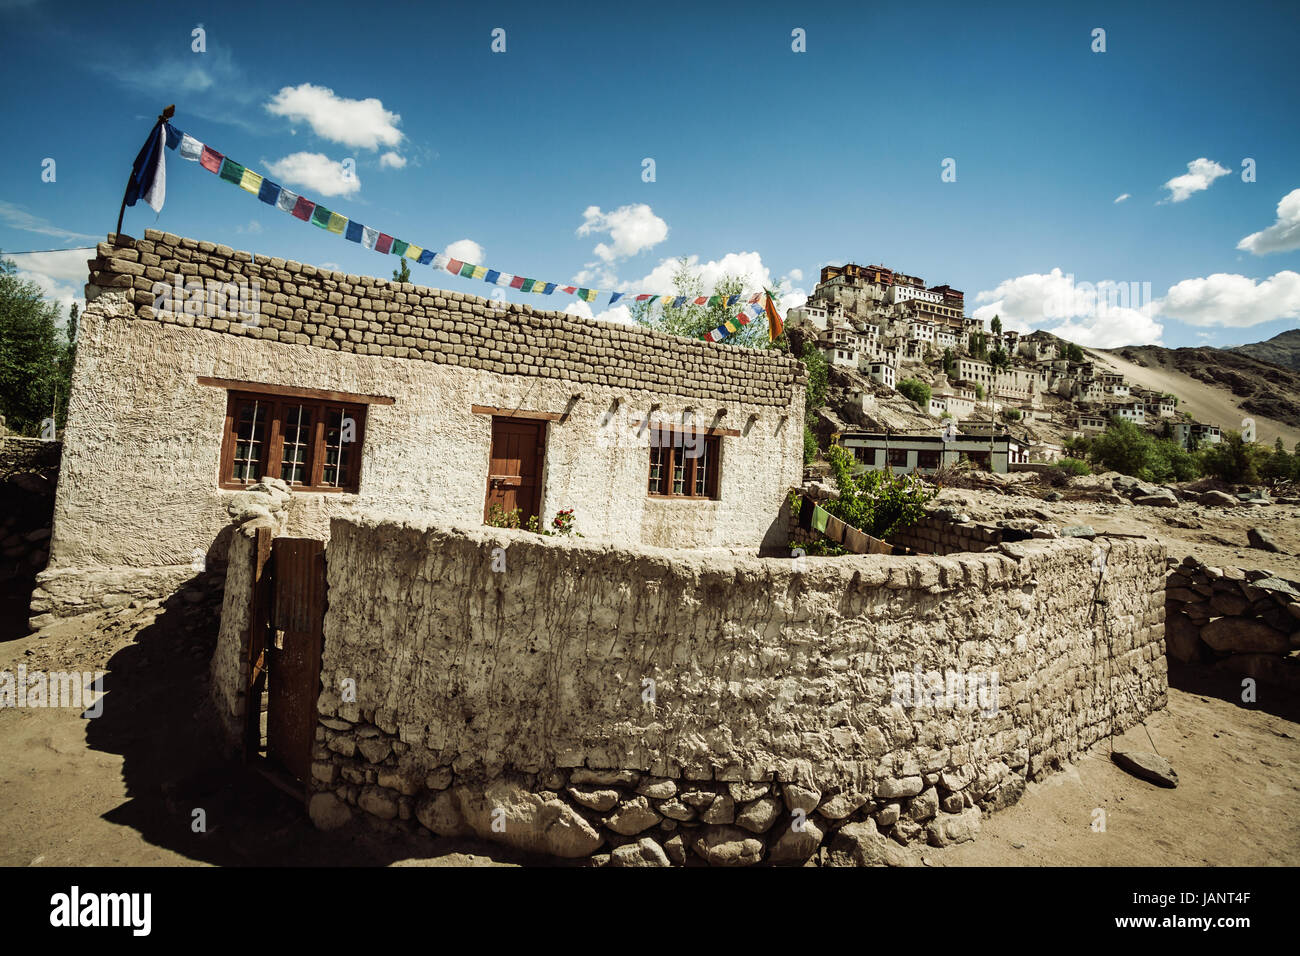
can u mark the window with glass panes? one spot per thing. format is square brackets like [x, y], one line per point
[311, 444]
[683, 464]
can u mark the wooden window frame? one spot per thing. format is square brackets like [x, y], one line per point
[278, 405]
[712, 459]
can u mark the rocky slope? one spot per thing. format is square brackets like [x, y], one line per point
[1283, 349]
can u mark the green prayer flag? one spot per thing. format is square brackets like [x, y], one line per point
[320, 217]
[232, 172]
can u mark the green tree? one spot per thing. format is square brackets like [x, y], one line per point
[403, 273]
[1233, 460]
[996, 325]
[979, 391]
[32, 359]
[978, 345]
[916, 391]
[949, 364]
[877, 502]
[999, 359]
[818, 376]
[1073, 352]
[693, 320]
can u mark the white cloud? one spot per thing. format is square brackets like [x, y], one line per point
[316, 172]
[633, 229]
[391, 160]
[61, 276]
[1103, 315]
[1122, 196]
[795, 275]
[1283, 235]
[1201, 174]
[252, 229]
[18, 218]
[619, 313]
[748, 265]
[1234, 301]
[466, 250]
[361, 123]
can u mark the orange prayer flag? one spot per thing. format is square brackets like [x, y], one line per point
[774, 324]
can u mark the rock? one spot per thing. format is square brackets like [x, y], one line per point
[328, 812]
[924, 806]
[796, 846]
[1225, 603]
[378, 802]
[745, 792]
[1078, 531]
[1277, 585]
[506, 812]
[888, 815]
[598, 800]
[1262, 540]
[441, 814]
[657, 788]
[860, 844]
[840, 805]
[1147, 766]
[958, 828]
[1183, 640]
[676, 810]
[644, 852]
[375, 749]
[1164, 500]
[758, 816]
[604, 778]
[721, 810]
[728, 846]
[440, 779]
[958, 778]
[949, 804]
[633, 816]
[799, 797]
[1243, 635]
[1053, 496]
[675, 849]
[892, 788]
[1218, 499]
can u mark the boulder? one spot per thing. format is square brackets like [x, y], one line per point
[644, 852]
[799, 797]
[632, 817]
[1243, 635]
[758, 816]
[1160, 500]
[1150, 767]
[949, 829]
[1183, 640]
[440, 813]
[860, 844]
[1218, 499]
[506, 812]
[796, 846]
[328, 812]
[840, 805]
[598, 800]
[728, 846]
[1262, 540]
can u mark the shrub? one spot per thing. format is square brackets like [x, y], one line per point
[1233, 460]
[810, 448]
[818, 376]
[915, 391]
[876, 502]
[1072, 466]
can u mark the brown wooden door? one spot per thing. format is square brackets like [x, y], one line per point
[515, 468]
[297, 618]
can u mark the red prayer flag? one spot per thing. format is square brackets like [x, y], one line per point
[211, 160]
[454, 266]
[384, 242]
[303, 208]
[570, 289]
[642, 298]
[517, 282]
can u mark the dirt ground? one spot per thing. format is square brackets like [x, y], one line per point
[122, 789]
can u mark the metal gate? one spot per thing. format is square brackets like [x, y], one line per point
[288, 617]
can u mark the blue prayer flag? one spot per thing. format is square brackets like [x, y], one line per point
[269, 193]
[354, 231]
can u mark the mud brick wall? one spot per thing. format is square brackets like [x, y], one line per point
[935, 534]
[1238, 621]
[305, 305]
[771, 731]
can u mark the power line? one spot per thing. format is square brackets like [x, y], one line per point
[31, 252]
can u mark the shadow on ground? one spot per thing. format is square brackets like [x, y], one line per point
[157, 717]
[1226, 686]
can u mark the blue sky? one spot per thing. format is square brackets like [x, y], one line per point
[768, 162]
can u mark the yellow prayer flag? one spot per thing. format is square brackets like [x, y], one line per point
[250, 181]
[337, 223]
[413, 252]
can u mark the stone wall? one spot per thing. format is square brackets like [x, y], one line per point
[1239, 621]
[672, 706]
[138, 501]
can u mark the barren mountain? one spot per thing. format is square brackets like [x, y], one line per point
[1217, 386]
[1283, 349]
